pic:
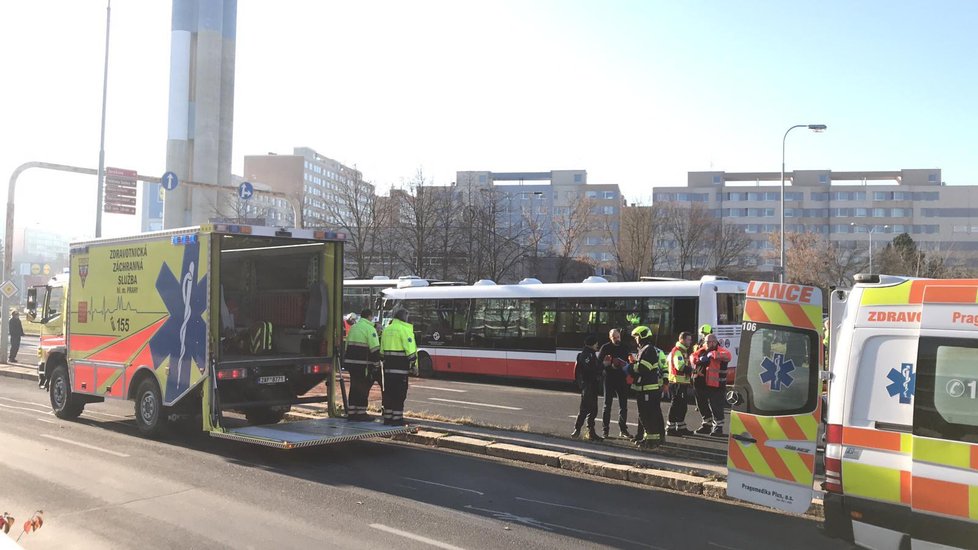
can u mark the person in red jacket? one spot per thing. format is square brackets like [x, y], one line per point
[710, 383]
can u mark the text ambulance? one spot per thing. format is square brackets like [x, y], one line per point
[901, 457]
[198, 322]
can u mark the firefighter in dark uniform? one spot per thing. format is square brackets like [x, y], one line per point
[362, 360]
[588, 374]
[648, 374]
[398, 351]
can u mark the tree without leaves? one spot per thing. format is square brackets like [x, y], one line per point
[571, 226]
[726, 248]
[635, 249]
[499, 243]
[355, 211]
[689, 227]
[418, 220]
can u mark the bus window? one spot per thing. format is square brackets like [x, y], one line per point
[536, 327]
[476, 330]
[730, 308]
[658, 316]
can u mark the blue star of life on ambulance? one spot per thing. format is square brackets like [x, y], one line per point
[777, 372]
[182, 337]
[902, 382]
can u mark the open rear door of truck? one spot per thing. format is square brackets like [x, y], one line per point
[310, 433]
[776, 398]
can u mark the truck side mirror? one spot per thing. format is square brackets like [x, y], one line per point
[31, 303]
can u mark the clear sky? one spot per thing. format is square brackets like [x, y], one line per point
[636, 92]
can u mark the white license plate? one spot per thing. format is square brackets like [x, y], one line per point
[271, 379]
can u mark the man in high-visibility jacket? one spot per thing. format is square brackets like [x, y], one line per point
[680, 370]
[361, 360]
[398, 350]
[648, 372]
[710, 382]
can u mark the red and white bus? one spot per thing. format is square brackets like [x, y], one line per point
[367, 293]
[535, 330]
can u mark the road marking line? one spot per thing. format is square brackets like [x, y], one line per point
[26, 402]
[412, 536]
[593, 511]
[85, 445]
[476, 404]
[21, 408]
[46, 420]
[423, 387]
[448, 486]
[711, 543]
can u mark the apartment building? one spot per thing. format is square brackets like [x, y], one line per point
[320, 183]
[550, 199]
[852, 209]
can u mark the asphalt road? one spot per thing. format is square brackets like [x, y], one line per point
[538, 408]
[101, 486]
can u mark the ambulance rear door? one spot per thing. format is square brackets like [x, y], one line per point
[776, 397]
[944, 487]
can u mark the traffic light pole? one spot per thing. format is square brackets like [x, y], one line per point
[8, 236]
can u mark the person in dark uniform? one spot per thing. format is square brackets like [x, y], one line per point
[587, 372]
[16, 331]
[648, 371]
[614, 357]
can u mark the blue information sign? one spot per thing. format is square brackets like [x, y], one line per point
[245, 190]
[169, 181]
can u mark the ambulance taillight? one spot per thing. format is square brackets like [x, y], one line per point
[833, 459]
[231, 374]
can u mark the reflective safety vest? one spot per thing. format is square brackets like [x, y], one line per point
[679, 368]
[648, 371]
[397, 347]
[261, 337]
[716, 370]
[362, 345]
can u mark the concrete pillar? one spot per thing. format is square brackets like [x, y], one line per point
[198, 146]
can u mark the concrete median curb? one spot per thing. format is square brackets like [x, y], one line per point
[462, 443]
[585, 465]
[525, 454]
[668, 480]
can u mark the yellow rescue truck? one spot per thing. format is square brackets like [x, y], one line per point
[900, 420]
[215, 323]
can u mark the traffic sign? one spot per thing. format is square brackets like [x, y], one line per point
[246, 190]
[120, 191]
[169, 181]
[8, 288]
[119, 209]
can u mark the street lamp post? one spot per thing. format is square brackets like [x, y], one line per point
[872, 228]
[813, 127]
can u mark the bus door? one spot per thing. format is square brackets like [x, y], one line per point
[944, 484]
[776, 397]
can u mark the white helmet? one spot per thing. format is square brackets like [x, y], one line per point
[350, 318]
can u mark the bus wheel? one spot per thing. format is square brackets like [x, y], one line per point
[150, 417]
[426, 368]
[64, 403]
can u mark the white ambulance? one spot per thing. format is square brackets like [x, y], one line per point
[901, 458]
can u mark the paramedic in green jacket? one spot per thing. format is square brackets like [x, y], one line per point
[361, 359]
[398, 351]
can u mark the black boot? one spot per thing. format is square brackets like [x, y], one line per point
[576, 433]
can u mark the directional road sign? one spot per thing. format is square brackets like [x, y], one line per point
[246, 190]
[120, 191]
[169, 181]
